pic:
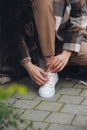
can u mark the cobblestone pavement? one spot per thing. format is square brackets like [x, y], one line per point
[67, 110]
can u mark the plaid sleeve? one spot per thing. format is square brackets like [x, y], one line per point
[74, 29]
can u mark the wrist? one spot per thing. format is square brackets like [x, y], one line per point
[28, 65]
[67, 52]
[25, 60]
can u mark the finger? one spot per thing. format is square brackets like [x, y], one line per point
[39, 81]
[52, 64]
[55, 65]
[42, 77]
[62, 67]
[44, 72]
[57, 68]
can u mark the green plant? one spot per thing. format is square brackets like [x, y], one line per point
[7, 91]
[7, 115]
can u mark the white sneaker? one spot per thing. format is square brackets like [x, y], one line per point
[48, 89]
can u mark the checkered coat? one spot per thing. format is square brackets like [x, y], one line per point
[71, 22]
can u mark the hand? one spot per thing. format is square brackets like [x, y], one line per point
[38, 75]
[59, 62]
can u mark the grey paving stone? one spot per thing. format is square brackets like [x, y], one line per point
[84, 93]
[34, 115]
[29, 95]
[74, 109]
[21, 126]
[9, 128]
[41, 125]
[28, 104]
[71, 99]
[80, 120]
[79, 85]
[54, 98]
[49, 106]
[69, 91]
[84, 102]
[67, 83]
[60, 118]
[64, 111]
[11, 101]
[18, 111]
[63, 127]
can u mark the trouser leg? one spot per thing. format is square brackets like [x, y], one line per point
[76, 58]
[81, 57]
[45, 24]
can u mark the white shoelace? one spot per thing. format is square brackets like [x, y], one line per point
[51, 78]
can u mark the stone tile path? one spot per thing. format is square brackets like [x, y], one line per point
[67, 110]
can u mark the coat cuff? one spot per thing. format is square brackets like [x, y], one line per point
[25, 60]
[71, 47]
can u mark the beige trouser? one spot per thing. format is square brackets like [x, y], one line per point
[45, 24]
